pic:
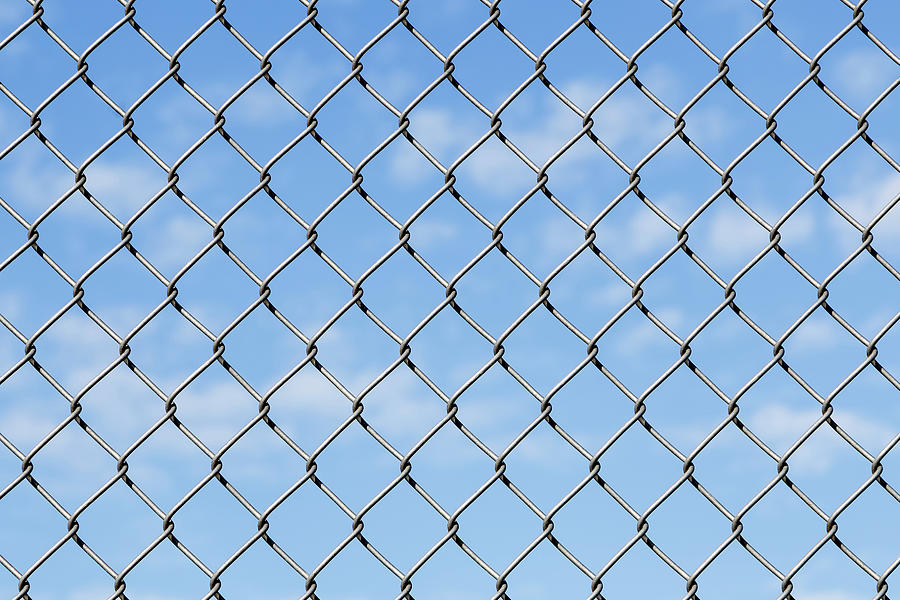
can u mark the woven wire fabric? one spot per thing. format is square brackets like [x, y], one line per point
[279, 323]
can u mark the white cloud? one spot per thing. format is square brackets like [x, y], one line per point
[262, 105]
[75, 349]
[780, 426]
[647, 335]
[799, 227]
[178, 240]
[614, 294]
[730, 235]
[37, 179]
[216, 411]
[551, 124]
[734, 235]
[10, 351]
[863, 199]
[642, 233]
[69, 462]
[556, 239]
[402, 406]
[32, 164]
[11, 304]
[440, 132]
[213, 412]
[308, 393]
[815, 334]
[639, 235]
[714, 123]
[864, 73]
[622, 122]
[869, 195]
[20, 424]
[394, 83]
[495, 169]
[432, 233]
[178, 117]
[544, 447]
[124, 187]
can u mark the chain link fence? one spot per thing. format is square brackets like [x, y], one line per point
[590, 242]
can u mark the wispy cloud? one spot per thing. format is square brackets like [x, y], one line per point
[178, 240]
[550, 123]
[732, 235]
[31, 164]
[36, 179]
[780, 426]
[864, 73]
[647, 335]
[643, 233]
[105, 182]
[434, 233]
[815, 334]
[640, 234]
[864, 196]
[262, 105]
[440, 131]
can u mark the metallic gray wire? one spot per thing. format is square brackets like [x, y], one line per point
[493, 128]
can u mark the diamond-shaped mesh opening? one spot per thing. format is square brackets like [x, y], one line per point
[448, 300]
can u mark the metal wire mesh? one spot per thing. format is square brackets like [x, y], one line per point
[586, 17]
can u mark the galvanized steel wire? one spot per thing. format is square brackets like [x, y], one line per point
[586, 16]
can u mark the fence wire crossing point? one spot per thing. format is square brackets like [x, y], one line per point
[586, 19]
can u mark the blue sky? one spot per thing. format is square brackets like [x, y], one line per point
[448, 351]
